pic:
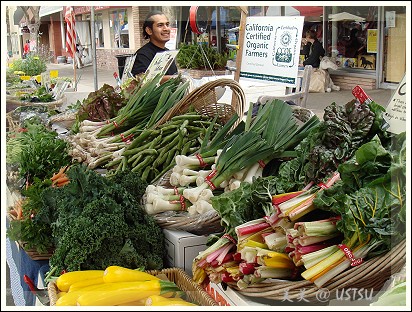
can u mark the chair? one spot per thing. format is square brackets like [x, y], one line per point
[298, 94]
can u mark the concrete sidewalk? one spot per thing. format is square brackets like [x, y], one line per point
[316, 101]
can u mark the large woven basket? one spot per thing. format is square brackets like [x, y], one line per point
[12, 103]
[204, 100]
[371, 274]
[210, 222]
[194, 292]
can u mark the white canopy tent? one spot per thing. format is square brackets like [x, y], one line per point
[345, 16]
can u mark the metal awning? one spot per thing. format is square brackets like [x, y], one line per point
[47, 10]
[309, 10]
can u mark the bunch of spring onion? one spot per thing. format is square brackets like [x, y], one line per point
[273, 133]
[160, 199]
[143, 109]
[87, 148]
[90, 147]
[191, 170]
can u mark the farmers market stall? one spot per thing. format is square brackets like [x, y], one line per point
[148, 157]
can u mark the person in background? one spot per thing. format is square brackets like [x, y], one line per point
[312, 49]
[353, 46]
[26, 48]
[156, 28]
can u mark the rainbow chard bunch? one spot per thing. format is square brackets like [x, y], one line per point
[307, 237]
[371, 200]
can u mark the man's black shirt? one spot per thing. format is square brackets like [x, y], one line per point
[144, 57]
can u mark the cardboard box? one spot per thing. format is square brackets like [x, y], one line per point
[182, 247]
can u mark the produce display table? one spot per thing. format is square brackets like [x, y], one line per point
[21, 264]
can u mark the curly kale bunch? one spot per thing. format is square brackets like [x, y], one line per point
[100, 223]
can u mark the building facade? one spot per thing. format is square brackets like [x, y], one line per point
[367, 42]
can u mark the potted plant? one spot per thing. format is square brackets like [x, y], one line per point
[192, 60]
[32, 65]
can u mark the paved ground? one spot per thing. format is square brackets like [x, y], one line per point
[316, 101]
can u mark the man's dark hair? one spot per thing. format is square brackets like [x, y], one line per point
[148, 22]
[311, 34]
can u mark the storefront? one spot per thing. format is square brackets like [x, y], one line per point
[367, 42]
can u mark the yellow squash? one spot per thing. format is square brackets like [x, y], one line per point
[65, 280]
[114, 274]
[157, 300]
[80, 284]
[119, 293]
[70, 298]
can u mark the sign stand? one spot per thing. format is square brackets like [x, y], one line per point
[243, 15]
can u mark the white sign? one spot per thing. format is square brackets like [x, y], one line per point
[395, 114]
[271, 48]
[390, 18]
[160, 63]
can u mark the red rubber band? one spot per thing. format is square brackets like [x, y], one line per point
[348, 253]
[201, 161]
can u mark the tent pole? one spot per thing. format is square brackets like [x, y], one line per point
[93, 48]
[243, 15]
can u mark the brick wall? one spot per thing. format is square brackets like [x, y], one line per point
[349, 82]
[139, 15]
[106, 58]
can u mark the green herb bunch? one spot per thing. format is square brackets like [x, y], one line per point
[42, 153]
[34, 229]
[190, 56]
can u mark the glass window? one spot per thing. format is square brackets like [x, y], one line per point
[352, 36]
[98, 29]
[394, 44]
[119, 28]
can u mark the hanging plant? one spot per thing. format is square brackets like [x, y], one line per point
[190, 56]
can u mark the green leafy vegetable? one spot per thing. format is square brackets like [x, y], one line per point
[100, 222]
[42, 153]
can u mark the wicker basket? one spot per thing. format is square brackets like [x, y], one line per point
[12, 103]
[204, 100]
[371, 275]
[209, 222]
[64, 119]
[194, 292]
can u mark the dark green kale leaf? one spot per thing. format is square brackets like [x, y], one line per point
[100, 223]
